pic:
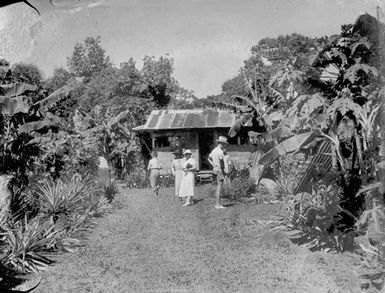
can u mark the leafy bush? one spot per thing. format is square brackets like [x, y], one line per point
[268, 191]
[239, 188]
[64, 197]
[66, 210]
[110, 190]
[27, 243]
[371, 236]
[98, 204]
[288, 171]
[138, 180]
[317, 217]
[166, 180]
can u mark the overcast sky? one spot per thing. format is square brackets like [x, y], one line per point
[208, 39]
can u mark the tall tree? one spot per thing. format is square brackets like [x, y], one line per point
[128, 79]
[59, 78]
[88, 58]
[28, 73]
[157, 82]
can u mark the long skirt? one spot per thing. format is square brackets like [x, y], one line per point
[154, 179]
[178, 181]
[187, 185]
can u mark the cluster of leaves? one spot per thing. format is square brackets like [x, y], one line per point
[66, 211]
[316, 218]
[241, 186]
[288, 171]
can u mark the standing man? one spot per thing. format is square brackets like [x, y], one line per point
[154, 167]
[216, 159]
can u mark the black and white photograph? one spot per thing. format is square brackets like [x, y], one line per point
[182, 146]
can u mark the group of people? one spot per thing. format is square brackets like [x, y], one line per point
[184, 168]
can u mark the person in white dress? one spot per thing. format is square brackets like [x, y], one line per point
[187, 185]
[177, 170]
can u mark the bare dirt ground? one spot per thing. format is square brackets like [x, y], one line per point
[153, 244]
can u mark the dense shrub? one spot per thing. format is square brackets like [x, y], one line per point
[137, 180]
[167, 180]
[238, 188]
[64, 213]
[318, 216]
[288, 171]
[110, 190]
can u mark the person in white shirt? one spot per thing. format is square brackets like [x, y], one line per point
[154, 167]
[216, 159]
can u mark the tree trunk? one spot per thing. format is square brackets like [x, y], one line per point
[256, 170]
[110, 171]
[360, 157]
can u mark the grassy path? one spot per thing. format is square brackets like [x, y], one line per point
[153, 244]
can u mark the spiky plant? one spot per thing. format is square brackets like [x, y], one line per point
[64, 197]
[27, 245]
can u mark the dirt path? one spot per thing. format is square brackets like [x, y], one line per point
[153, 244]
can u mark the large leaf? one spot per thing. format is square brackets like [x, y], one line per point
[55, 97]
[16, 89]
[279, 133]
[286, 76]
[121, 116]
[230, 106]
[253, 104]
[292, 144]
[40, 140]
[34, 126]
[293, 122]
[11, 106]
[49, 121]
[352, 73]
[239, 122]
[319, 58]
[363, 43]
[305, 105]
[343, 106]
[339, 56]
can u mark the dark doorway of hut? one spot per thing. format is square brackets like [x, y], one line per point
[205, 142]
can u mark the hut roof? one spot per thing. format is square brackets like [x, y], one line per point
[187, 119]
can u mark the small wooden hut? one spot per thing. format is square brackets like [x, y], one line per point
[197, 130]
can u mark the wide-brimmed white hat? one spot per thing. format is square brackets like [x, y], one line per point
[222, 139]
[187, 152]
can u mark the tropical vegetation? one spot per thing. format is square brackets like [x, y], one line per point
[302, 95]
[306, 95]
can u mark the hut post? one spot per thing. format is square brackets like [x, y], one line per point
[197, 148]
